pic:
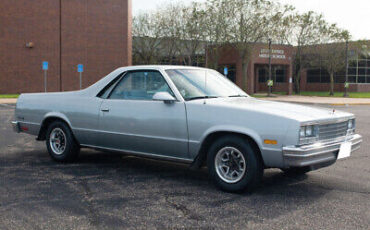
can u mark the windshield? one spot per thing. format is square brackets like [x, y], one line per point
[202, 83]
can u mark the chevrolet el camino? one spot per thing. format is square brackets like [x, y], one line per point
[192, 115]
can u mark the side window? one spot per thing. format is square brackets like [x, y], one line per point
[140, 85]
[108, 88]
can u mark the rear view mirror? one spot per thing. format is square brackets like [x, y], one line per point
[163, 96]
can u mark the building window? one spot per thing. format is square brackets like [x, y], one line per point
[280, 75]
[262, 75]
[277, 75]
[318, 76]
[358, 71]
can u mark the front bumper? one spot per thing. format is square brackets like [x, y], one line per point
[16, 126]
[316, 154]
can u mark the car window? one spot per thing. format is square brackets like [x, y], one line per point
[194, 83]
[108, 88]
[140, 85]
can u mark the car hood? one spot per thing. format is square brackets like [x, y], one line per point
[301, 113]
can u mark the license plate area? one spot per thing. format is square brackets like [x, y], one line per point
[345, 150]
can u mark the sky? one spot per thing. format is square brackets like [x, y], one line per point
[353, 15]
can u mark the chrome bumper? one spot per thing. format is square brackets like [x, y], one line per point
[316, 154]
[16, 126]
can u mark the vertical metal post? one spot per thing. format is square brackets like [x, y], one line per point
[60, 47]
[45, 81]
[346, 84]
[80, 80]
[269, 92]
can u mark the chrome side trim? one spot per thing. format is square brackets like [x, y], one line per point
[141, 154]
[28, 123]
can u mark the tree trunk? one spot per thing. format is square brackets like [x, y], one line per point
[190, 61]
[331, 83]
[297, 83]
[244, 75]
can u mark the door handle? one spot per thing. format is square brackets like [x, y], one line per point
[105, 110]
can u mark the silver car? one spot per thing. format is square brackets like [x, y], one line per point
[192, 115]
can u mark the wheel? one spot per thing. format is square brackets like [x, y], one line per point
[297, 170]
[61, 143]
[233, 164]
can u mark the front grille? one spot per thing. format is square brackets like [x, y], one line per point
[332, 131]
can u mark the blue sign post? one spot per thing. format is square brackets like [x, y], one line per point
[45, 66]
[80, 69]
[226, 71]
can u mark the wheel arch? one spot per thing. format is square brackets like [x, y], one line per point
[207, 141]
[50, 118]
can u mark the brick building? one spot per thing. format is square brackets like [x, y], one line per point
[315, 78]
[65, 33]
[257, 71]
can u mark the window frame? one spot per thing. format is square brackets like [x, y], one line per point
[110, 84]
[125, 74]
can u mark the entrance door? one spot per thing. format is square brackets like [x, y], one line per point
[131, 121]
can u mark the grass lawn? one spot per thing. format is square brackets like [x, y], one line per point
[324, 94]
[9, 96]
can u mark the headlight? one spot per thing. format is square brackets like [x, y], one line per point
[351, 127]
[308, 134]
[351, 124]
[309, 131]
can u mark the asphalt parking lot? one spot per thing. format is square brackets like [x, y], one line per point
[111, 191]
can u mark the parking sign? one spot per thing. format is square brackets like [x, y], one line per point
[80, 68]
[226, 71]
[45, 65]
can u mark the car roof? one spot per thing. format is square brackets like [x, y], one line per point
[159, 67]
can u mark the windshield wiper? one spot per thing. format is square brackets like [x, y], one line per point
[200, 97]
[238, 95]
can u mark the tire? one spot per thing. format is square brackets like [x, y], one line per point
[60, 142]
[230, 151]
[297, 170]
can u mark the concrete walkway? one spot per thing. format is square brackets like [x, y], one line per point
[320, 100]
[8, 100]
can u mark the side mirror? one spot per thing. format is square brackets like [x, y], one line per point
[163, 96]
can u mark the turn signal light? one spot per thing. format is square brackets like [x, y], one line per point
[270, 142]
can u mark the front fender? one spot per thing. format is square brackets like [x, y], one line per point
[233, 129]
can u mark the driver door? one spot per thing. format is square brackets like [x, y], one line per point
[130, 120]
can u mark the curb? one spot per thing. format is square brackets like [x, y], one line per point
[8, 101]
[314, 103]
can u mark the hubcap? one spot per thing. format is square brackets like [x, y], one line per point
[230, 164]
[58, 141]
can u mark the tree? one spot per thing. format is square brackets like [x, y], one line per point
[191, 32]
[303, 30]
[170, 23]
[251, 22]
[147, 33]
[332, 53]
[216, 26]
